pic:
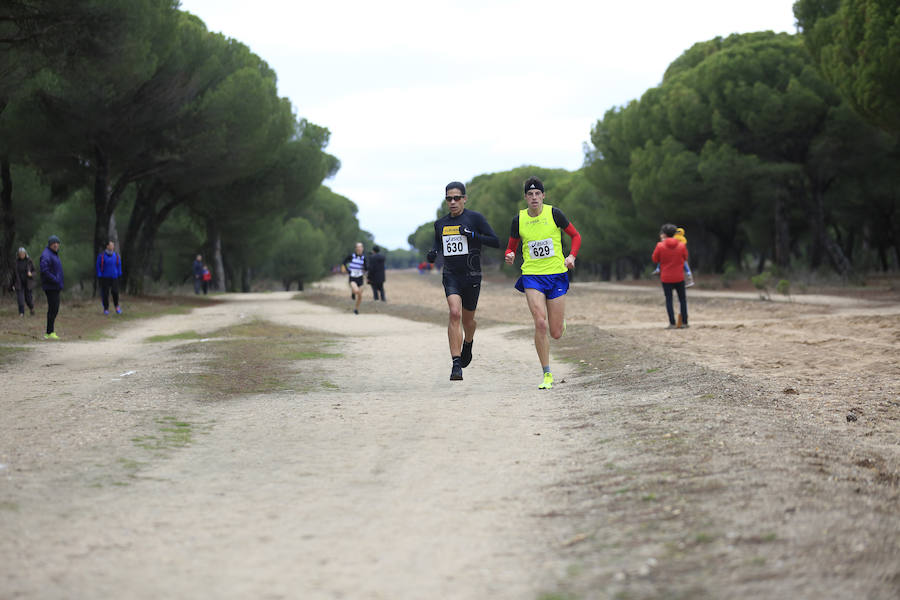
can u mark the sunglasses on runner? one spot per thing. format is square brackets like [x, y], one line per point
[452, 198]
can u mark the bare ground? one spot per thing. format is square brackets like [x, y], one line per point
[756, 454]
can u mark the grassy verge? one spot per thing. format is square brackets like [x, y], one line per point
[83, 319]
[260, 357]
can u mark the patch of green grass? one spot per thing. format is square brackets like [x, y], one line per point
[649, 497]
[653, 370]
[260, 357]
[703, 538]
[171, 433]
[83, 318]
[10, 506]
[184, 335]
[8, 353]
[557, 596]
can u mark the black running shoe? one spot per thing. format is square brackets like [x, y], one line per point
[466, 356]
[456, 373]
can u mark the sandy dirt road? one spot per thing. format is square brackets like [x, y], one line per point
[719, 461]
[397, 484]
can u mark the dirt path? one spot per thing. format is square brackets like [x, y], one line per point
[718, 461]
[395, 485]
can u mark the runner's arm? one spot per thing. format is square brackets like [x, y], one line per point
[510, 254]
[576, 239]
[431, 255]
[486, 234]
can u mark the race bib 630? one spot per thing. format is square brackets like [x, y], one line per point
[454, 242]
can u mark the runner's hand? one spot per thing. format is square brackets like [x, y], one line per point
[469, 233]
[431, 256]
[570, 262]
[510, 257]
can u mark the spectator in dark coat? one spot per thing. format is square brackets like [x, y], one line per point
[52, 282]
[23, 281]
[109, 269]
[198, 273]
[376, 272]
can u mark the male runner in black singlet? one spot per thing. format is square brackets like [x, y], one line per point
[459, 237]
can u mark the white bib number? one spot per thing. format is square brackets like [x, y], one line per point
[455, 245]
[541, 248]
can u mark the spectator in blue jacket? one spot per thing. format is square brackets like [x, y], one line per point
[109, 269]
[52, 283]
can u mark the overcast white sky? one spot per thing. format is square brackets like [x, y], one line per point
[419, 93]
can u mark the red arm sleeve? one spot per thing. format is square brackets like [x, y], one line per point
[576, 239]
[512, 246]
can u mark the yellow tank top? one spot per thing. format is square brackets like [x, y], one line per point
[541, 243]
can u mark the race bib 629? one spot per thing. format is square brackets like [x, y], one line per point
[541, 248]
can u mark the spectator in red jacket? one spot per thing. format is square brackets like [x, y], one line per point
[671, 256]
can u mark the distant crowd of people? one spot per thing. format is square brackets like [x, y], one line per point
[50, 273]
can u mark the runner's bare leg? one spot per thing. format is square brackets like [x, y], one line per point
[556, 315]
[537, 304]
[469, 324]
[454, 332]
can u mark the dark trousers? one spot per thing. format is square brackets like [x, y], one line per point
[52, 308]
[107, 285]
[23, 295]
[377, 288]
[682, 301]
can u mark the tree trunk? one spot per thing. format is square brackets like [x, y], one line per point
[245, 279]
[140, 237]
[782, 230]
[112, 230]
[101, 201]
[8, 243]
[823, 240]
[218, 269]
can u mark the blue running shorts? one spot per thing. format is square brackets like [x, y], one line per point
[552, 286]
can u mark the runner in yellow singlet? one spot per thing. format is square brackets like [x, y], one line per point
[545, 272]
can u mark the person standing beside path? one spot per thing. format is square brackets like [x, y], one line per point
[376, 272]
[109, 269]
[23, 281]
[356, 264]
[688, 276]
[197, 269]
[545, 273]
[52, 283]
[672, 256]
[459, 237]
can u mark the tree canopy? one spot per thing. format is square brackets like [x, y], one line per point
[135, 112]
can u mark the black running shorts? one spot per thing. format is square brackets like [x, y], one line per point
[357, 280]
[464, 286]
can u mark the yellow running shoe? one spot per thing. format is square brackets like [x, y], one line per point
[547, 383]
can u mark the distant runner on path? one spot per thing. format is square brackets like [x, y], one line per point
[459, 236]
[545, 273]
[356, 264]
